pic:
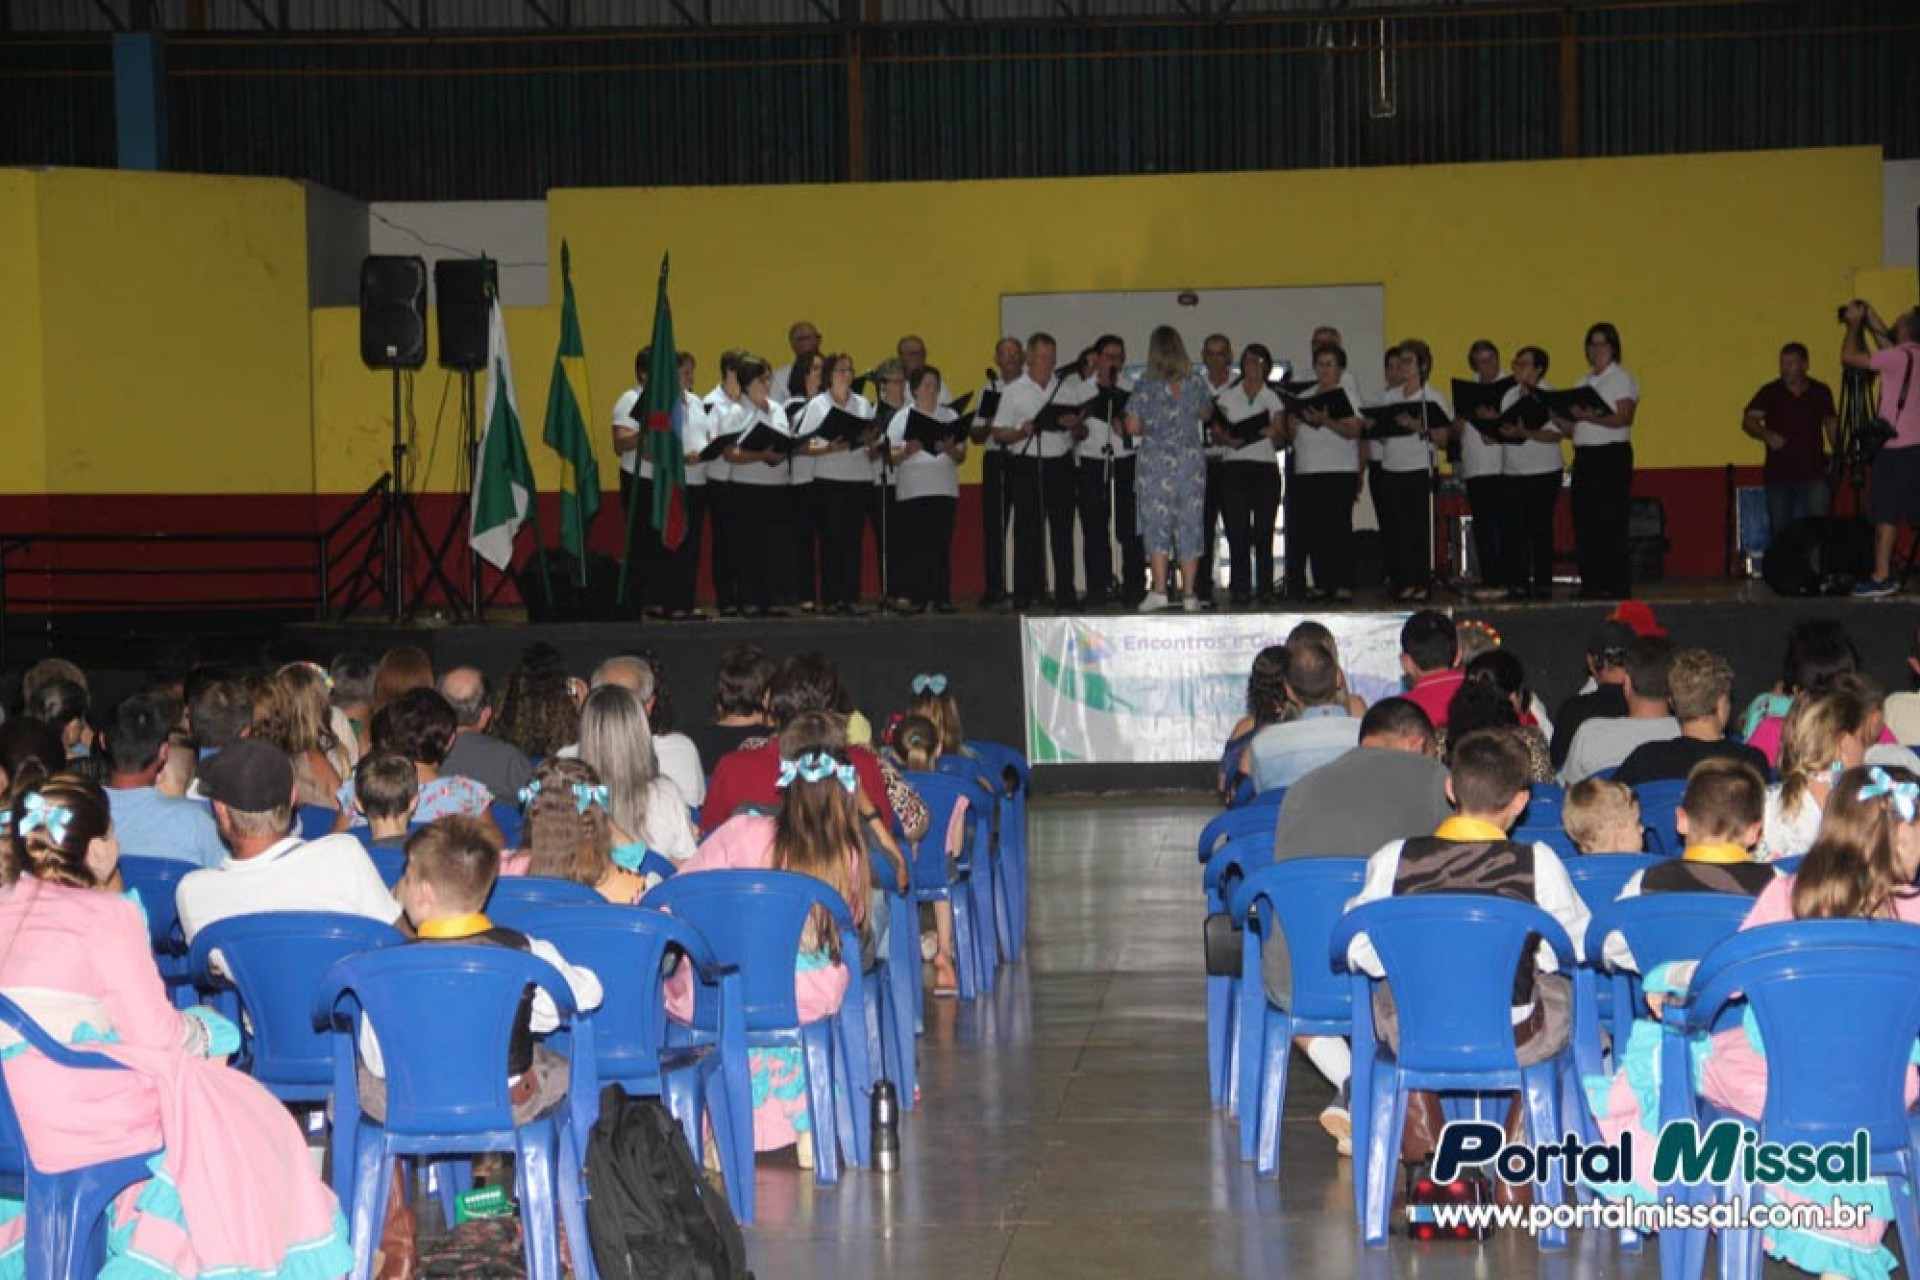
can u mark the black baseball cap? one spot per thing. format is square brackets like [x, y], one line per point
[249, 775]
[1611, 640]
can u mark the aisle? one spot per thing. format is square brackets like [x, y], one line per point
[1065, 1130]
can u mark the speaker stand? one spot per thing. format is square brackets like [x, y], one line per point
[463, 509]
[400, 525]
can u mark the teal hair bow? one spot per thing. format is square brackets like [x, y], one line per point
[44, 815]
[585, 796]
[816, 766]
[1904, 796]
[936, 684]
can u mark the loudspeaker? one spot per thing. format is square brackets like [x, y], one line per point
[1820, 555]
[462, 301]
[393, 312]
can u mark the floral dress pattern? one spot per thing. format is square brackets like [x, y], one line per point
[1171, 478]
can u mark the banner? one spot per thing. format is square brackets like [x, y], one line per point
[1167, 689]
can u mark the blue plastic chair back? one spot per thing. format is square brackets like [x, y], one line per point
[1660, 927]
[1788, 866]
[941, 795]
[1268, 799]
[390, 862]
[512, 823]
[1233, 823]
[1554, 837]
[1659, 803]
[275, 961]
[1451, 960]
[1599, 878]
[444, 1013]
[157, 880]
[514, 896]
[1545, 803]
[1304, 899]
[1229, 868]
[315, 820]
[754, 919]
[999, 758]
[1838, 1006]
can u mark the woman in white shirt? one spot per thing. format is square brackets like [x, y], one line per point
[1405, 496]
[644, 804]
[1326, 482]
[928, 492]
[1530, 483]
[842, 486]
[1603, 470]
[721, 404]
[806, 380]
[1479, 466]
[760, 490]
[1250, 477]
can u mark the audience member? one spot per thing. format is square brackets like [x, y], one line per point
[61, 705]
[1882, 749]
[1387, 787]
[1494, 695]
[917, 748]
[1320, 731]
[402, 668]
[149, 824]
[419, 725]
[1720, 818]
[540, 711]
[1903, 709]
[1471, 853]
[675, 754]
[386, 791]
[1430, 657]
[571, 835]
[500, 767]
[739, 703]
[1824, 734]
[47, 670]
[1318, 632]
[251, 787]
[219, 712]
[1603, 743]
[1603, 816]
[645, 805]
[233, 1192]
[352, 674]
[1699, 690]
[294, 715]
[25, 744]
[1267, 703]
[1607, 673]
[1818, 650]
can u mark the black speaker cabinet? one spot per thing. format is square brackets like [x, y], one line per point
[462, 299]
[393, 312]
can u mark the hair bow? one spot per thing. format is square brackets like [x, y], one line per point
[530, 793]
[935, 684]
[42, 814]
[816, 766]
[1904, 796]
[585, 796]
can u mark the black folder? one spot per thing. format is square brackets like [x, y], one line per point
[1528, 411]
[838, 425]
[719, 445]
[1245, 431]
[989, 406]
[930, 432]
[765, 439]
[1383, 421]
[1050, 417]
[1334, 403]
[1564, 403]
[1470, 397]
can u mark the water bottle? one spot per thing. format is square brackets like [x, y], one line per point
[886, 1127]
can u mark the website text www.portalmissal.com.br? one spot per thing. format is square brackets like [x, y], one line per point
[1667, 1215]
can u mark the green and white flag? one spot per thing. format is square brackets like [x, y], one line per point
[502, 476]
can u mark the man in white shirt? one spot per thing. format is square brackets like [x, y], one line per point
[1216, 369]
[1106, 509]
[1604, 742]
[911, 351]
[1482, 459]
[803, 337]
[996, 501]
[1530, 480]
[251, 786]
[1041, 477]
[678, 758]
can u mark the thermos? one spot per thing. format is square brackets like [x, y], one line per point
[886, 1127]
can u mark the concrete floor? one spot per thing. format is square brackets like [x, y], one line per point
[1065, 1130]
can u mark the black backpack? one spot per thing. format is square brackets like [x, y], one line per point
[650, 1213]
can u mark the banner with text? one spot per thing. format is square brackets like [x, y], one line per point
[1167, 689]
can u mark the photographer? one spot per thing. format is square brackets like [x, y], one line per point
[1794, 417]
[1896, 470]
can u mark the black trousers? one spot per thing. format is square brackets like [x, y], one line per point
[1602, 489]
[763, 530]
[1249, 501]
[1209, 528]
[640, 546]
[727, 592]
[840, 517]
[1320, 521]
[1526, 535]
[1043, 494]
[1126, 530]
[1405, 502]
[1485, 495]
[803, 580]
[996, 509]
[924, 542]
[1094, 497]
[1295, 569]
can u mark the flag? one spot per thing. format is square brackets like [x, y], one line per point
[566, 429]
[665, 419]
[502, 476]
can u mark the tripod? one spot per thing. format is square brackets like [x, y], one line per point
[463, 510]
[400, 524]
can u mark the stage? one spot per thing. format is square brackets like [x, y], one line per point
[981, 653]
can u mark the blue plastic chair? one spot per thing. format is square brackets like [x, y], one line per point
[514, 896]
[1545, 803]
[895, 998]
[1554, 837]
[1600, 877]
[1788, 866]
[982, 949]
[1013, 834]
[992, 802]
[1659, 803]
[65, 1233]
[1268, 799]
[627, 948]
[754, 919]
[1658, 928]
[1235, 823]
[390, 862]
[445, 1014]
[1838, 1009]
[1220, 878]
[1456, 1027]
[157, 880]
[512, 823]
[1299, 900]
[315, 820]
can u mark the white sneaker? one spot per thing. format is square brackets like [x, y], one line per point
[1191, 604]
[1154, 603]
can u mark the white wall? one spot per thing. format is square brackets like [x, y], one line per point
[1899, 197]
[511, 232]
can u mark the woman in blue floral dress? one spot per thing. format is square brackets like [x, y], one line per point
[1165, 415]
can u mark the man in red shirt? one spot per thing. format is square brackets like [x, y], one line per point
[1794, 417]
[1430, 657]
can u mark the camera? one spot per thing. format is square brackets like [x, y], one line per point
[1840, 312]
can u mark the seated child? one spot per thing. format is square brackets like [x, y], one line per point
[1823, 734]
[420, 725]
[570, 835]
[918, 746]
[1487, 781]
[386, 792]
[1603, 816]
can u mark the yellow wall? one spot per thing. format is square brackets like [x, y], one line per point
[1890, 289]
[22, 440]
[172, 313]
[1706, 263]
